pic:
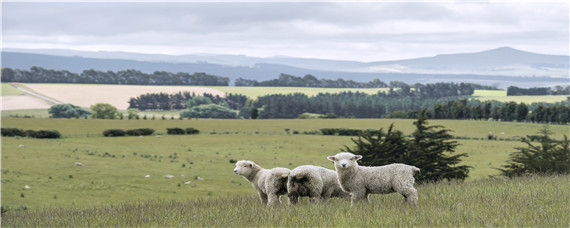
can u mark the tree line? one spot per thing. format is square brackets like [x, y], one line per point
[557, 113]
[179, 101]
[124, 77]
[286, 80]
[557, 90]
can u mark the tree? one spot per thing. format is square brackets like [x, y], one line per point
[379, 148]
[67, 111]
[209, 111]
[431, 150]
[132, 113]
[199, 100]
[548, 157]
[104, 111]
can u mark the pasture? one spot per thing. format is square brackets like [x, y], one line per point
[532, 201]
[115, 167]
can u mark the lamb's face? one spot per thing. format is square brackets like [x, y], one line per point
[345, 160]
[243, 167]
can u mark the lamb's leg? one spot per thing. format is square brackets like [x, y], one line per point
[273, 199]
[358, 196]
[262, 197]
[293, 199]
[410, 195]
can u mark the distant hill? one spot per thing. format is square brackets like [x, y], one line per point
[501, 67]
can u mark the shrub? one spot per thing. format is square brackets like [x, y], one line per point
[175, 131]
[341, 131]
[114, 133]
[41, 134]
[192, 131]
[47, 134]
[542, 155]
[67, 111]
[11, 132]
[140, 131]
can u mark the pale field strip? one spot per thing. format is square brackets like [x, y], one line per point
[116, 95]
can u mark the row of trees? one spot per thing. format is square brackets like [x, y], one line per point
[179, 101]
[286, 80]
[124, 77]
[558, 113]
[345, 104]
[557, 90]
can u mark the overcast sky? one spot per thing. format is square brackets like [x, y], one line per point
[363, 31]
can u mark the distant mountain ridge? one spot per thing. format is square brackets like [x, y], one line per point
[501, 67]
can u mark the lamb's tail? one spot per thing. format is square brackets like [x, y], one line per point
[415, 170]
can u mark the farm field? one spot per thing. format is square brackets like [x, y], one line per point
[118, 95]
[114, 168]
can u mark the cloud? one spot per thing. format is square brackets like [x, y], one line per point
[367, 31]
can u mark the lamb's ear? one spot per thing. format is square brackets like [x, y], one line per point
[332, 158]
[251, 165]
[357, 157]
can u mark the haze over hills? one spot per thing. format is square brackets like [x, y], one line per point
[502, 67]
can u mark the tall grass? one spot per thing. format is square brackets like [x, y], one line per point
[520, 202]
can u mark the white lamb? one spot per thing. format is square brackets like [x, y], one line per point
[269, 183]
[316, 182]
[360, 181]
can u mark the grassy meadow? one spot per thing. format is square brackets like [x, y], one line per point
[532, 201]
[115, 167]
[8, 90]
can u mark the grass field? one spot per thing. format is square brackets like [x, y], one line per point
[501, 95]
[522, 202]
[8, 90]
[114, 168]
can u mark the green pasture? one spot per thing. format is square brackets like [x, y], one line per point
[8, 90]
[533, 201]
[114, 168]
[501, 95]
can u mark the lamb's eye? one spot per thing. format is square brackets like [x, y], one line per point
[245, 166]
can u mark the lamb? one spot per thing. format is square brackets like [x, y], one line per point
[360, 181]
[269, 183]
[316, 182]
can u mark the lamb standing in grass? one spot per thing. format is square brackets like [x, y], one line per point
[360, 181]
[269, 183]
[316, 182]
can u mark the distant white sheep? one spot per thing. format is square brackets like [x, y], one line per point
[79, 164]
[147, 176]
[168, 176]
[360, 181]
[27, 187]
[269, 183]
[316, 182]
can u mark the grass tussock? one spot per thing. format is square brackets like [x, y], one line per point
[535, 201]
